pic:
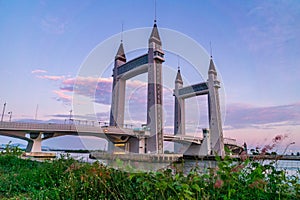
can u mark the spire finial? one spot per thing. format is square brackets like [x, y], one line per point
[178, 62]
[122, 32]
[210, 49]
[154, 11]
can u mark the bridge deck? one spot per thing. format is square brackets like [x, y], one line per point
[66, 129]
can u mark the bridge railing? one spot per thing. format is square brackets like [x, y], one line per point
[36, 126]
[95, 128]
[230, 141]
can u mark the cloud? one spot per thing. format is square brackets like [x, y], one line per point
[54, 25]
[52, 78]
[62, 96]
[38, 71]
[246, 116]
[98, 90]
[270, 25]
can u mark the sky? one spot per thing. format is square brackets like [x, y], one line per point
[254, 44]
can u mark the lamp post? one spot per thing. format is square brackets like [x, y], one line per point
[70, 116]
[3, 111]
[10, 114]
[288, 147]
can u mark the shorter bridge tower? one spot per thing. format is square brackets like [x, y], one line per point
[213, 141]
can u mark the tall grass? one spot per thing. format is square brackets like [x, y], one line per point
[67, 178]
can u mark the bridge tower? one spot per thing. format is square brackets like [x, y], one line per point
[179, 108]
[213, 141]
[150, 63]
[214, 111]
[155, 97]
[179, 116]
[118, 91]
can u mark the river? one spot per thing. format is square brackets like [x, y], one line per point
[291, 166]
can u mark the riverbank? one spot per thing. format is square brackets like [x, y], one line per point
[67, 178]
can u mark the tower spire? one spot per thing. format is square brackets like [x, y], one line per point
[154, 37]
[121, 54]
[178, 76]
[212, 68]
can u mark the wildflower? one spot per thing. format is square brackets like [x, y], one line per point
[82, 178]
[237, 168]
[279, 138]
[219, 183]
[258, 184]
[243, 156]
[72, 167]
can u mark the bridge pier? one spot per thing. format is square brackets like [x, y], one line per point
[142, 145]
[35, 144]
[200, 150]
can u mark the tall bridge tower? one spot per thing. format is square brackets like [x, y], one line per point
[150, 63]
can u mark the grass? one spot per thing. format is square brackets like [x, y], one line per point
[66, 178]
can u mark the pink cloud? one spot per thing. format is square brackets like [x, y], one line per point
[52, 78]
[62, 96]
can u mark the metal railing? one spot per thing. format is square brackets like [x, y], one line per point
[36, 126]
[96, 127]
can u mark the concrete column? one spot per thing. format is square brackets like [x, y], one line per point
[118, 103]
[141, 145]
[35, 145]
[205, 148]
[154, 107]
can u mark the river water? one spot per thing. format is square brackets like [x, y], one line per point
[290, 166]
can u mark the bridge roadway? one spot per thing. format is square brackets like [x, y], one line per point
[35, 133]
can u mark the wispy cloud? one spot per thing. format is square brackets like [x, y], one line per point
[52, 78]
[271, 25]
[38, 71]
[245, 116]
[54, 25]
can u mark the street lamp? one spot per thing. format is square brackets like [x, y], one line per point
[10, 114]
[287, 147]
[3, 111]
[70, 116]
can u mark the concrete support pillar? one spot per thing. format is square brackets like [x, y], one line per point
[118, 103]
[142, 146]
[35, 145]
[110, 146]
[205, 148]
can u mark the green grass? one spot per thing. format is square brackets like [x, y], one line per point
[69, 179]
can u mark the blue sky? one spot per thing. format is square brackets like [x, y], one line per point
[255, 48]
